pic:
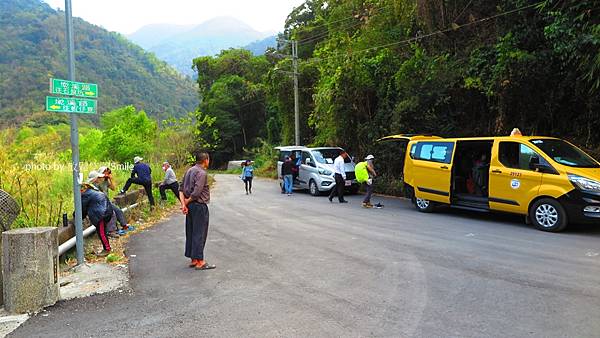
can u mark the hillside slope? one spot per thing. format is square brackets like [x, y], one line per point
[260, 47]
[33, 49]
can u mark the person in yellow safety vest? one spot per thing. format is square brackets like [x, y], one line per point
[365, 172]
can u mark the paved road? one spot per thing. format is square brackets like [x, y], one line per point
[299, 266]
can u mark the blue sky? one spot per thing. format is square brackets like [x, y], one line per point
[126, 16]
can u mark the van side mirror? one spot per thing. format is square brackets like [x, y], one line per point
[534, 162]
[307, 161]
[546, 169]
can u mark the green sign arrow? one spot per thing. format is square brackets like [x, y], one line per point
[70, 105]
[64, 87]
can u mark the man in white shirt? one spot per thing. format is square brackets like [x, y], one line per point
[340, 178]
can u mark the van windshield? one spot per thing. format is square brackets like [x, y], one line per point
[326, 155]
[566, 154]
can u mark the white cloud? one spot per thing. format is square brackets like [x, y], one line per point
[126, 16]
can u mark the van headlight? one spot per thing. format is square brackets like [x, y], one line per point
[325, 172]
[584, 183]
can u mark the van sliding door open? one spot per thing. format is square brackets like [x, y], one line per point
[432, 170]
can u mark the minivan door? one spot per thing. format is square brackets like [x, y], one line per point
[282, 156]
[390, 153]
[432, 169]
[513, 180]
[307, 168]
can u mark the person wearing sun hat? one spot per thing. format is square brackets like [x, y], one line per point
[103, 181]
[142, 175]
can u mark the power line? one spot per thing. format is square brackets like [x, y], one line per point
[253, 102]
[463, 11]
[407, 41]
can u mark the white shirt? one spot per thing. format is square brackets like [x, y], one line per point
[339, 166]
[170, 177]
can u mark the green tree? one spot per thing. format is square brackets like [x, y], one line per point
[127, 133]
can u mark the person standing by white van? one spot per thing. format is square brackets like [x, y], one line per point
[339, 169]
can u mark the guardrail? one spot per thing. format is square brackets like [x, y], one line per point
[66, 235]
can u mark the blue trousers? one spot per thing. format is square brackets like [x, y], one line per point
[288, 183]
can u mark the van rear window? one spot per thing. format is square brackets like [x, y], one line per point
[433, 151]
[283, 154]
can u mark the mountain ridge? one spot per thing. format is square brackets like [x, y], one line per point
[32, 49]
[206, 38]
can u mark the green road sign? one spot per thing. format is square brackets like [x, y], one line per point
[64, 87]
[70, 105]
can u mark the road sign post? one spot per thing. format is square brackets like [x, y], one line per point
[74, 106]
[74, 140]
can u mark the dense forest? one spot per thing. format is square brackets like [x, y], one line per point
[370, 68]
[32, 49]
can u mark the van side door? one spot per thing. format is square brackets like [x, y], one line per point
[280, 160]
[513, 183]
[432, 169]
[306, 169]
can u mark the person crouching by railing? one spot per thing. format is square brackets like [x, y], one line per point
[96, 206]
[103, 181]
[169, 183]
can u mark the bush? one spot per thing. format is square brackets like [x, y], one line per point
[265, 159]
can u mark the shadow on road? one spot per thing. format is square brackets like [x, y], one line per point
[502, 219]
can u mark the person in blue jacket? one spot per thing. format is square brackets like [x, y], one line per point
[247, 175]
[142, 175]
[96, 206]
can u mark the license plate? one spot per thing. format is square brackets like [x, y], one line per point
[348, 183]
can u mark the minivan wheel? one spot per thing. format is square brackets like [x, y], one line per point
[549, 215]
[424, 205]
[312, 187]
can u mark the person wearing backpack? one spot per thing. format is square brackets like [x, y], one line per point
[365, 172]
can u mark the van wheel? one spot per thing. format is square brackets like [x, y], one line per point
[548, 215]
[424, 205]
[312, 187]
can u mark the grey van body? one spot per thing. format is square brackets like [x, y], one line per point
[316, 169]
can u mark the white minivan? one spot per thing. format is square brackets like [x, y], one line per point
[315, 168]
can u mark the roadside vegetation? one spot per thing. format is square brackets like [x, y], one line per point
[35, 159]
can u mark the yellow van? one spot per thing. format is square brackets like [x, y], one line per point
[549, 180]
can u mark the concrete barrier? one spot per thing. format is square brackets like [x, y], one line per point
[30, 269]
[231, 165]
[129, 198]
[68, 232]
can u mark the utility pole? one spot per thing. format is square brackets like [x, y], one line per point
[296, 95]
[74, 139]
